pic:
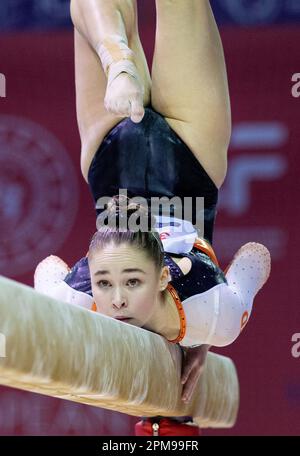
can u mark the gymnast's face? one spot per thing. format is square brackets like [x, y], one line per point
[126, 283]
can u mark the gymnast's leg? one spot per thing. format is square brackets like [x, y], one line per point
[189, 81]
[94, 20]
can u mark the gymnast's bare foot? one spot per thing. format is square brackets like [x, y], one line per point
[124, 97]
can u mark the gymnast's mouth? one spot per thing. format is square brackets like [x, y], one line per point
[125, 319]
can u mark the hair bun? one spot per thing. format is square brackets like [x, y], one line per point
[121, 206]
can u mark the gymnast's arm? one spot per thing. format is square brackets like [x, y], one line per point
[54, 278]
[193, 364]
[219, 314]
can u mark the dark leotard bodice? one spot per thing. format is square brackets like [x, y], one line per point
[149, 159]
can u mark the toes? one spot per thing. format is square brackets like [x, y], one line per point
[137, 111]
[123, 108]
[120, 108]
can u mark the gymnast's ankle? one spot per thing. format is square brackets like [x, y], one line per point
[125, 97]
[116, 57]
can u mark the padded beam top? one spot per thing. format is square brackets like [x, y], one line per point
[68, 352]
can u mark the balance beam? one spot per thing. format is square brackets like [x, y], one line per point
[68, 352]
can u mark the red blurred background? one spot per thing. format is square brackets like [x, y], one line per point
[46, 208]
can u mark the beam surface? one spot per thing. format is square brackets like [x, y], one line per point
[68, 352]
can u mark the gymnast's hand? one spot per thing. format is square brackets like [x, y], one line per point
[193, 363]
[124, 97]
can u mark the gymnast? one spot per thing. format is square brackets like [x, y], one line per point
[161, 136]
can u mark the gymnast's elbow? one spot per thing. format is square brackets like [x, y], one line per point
[223, 338]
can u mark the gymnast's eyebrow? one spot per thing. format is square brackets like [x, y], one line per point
[102, 272]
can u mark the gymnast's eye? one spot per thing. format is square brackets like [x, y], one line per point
[103, 283]
[137, 281]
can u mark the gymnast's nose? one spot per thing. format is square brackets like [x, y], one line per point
[119, 301]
